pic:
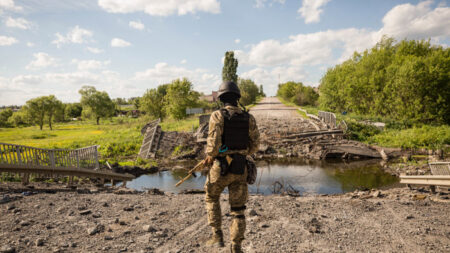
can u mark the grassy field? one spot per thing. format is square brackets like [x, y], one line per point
[396, 134]
[118, 138]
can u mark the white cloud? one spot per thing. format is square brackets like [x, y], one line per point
[77, 35]
[95, 50]
[403, 21]
[7, 41]
[136, 25]
[311, 10]
[161, 7]
[162, 73]
[417, 21]
[116, 42]
[41, 60]
[184, 61]
[20, 23]
[237, 41]
[30, 44]
[270, 77]
[9, 6]
[90, 64]
[262, 3]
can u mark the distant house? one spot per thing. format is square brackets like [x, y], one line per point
[212, 98]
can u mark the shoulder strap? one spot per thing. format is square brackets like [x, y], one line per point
[225, 113]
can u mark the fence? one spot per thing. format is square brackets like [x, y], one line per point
[190, 111]
[24, 156]
[440, 168]
[329, 118]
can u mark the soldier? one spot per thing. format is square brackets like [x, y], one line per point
[232, 136]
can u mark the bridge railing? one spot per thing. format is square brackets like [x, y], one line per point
[329, 118]
[18, 155]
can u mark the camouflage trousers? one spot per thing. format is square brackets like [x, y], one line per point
[238, 195]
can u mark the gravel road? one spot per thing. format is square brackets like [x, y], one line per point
[396, 220]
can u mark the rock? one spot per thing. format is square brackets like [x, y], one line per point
[85, 212]
[155, 191]
[73, 245]
[108, 238]
[10, 207]
[263, 225]
[148, 228]
[409, 217]
[25, 223]
[122, 223]
[96, 215]
[94, 230]
[376, 194]
[128, 209]
[7, 249]
[253, 212]
[40, 242]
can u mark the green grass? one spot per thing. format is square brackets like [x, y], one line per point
[119, 138]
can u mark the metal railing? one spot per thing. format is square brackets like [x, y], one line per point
[329, 118]
[440, 168]
[30, 157]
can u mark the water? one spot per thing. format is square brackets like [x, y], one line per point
[318, 177]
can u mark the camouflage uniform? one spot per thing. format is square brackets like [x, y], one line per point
[237, 185]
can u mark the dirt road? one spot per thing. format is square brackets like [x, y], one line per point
[274, 117]
[393, 221]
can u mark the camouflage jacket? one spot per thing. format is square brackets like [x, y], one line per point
[214, 140]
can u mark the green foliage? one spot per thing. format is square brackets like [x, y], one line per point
[18, 119]
[73, 110]
[433, 137]
[361, 132]
[41, 108]
[97, 102]
[180, 96]
[230, 67]
[153, 101]
[249, 91]
[407, 81]
[298, 93]
[4, 116]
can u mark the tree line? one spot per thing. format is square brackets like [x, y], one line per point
[167, 100]
[406, 81]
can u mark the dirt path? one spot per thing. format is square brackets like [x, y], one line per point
[395, 221]
[273, 117]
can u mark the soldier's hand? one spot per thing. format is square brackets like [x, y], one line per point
[209, 160]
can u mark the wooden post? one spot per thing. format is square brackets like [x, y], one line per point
[124, 184]
[70, 181]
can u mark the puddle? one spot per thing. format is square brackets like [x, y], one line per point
[317, 177]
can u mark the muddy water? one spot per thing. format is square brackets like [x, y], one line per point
[274, 177]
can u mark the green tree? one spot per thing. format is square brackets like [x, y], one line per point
[180, 96]
[98, 103]
[230, 67]
[4, 116]
[36, 108]
[261, 91]
[73, 110]
[406, 81]
[18, 119]
[52, 105]
[152, 102]
[249, 91]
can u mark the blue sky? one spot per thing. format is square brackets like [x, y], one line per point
[125, 47]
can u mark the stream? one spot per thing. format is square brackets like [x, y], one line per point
[310, 177]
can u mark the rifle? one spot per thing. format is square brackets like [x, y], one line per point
[197, 167]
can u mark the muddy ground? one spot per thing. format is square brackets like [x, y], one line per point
[88, 219]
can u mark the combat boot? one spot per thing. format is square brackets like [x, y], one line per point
[236, 248]
[216, 239]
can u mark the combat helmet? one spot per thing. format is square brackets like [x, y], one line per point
[229, 87]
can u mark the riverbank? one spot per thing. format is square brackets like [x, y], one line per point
[89, 219]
